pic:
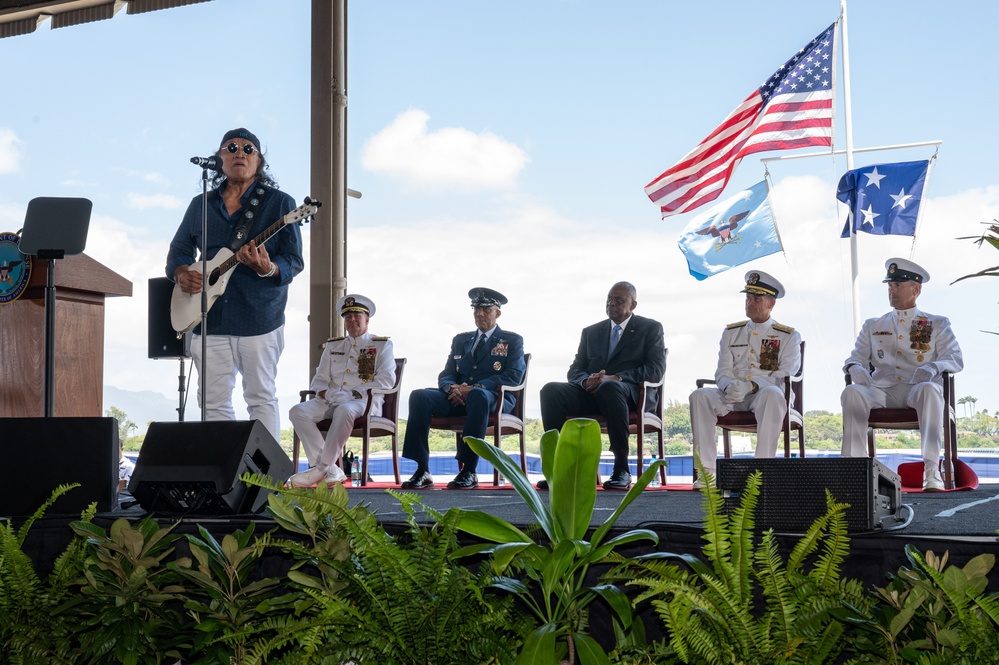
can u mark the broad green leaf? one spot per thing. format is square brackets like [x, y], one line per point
[589, 651]
[539, 647]
[490, 527]
[513, 473]
[549, 441]
[573, 490]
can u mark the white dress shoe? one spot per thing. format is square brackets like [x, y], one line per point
[697, 484]
[335, 475]
[932, 482]
[309, 478]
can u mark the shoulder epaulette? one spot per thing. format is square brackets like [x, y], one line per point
[336, 339]
[737, 324]
[782, 328]
[380, 339]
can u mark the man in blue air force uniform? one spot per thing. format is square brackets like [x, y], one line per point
[479, 363]
[754, 356]
[349, 367]
[897, 363]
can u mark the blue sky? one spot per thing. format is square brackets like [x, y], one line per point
[507, 145]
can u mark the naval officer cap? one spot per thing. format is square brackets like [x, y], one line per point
[353, 302]
[483, 297]
[900, 270]
[761, 284]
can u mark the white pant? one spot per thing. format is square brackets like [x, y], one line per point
[256, 359]
[926, 398]
[321, 453]
[706, 404]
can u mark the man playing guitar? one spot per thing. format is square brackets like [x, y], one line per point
[246, 321]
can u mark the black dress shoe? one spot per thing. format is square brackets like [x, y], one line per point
[465, 480]
[619, 480]
[420, 480]
[542, 484]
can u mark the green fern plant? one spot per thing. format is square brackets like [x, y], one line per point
[371, 596]
[933, 613]
[30, 631]
[548, 575]
[747, 604]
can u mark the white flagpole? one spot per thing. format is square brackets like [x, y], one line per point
[848, 118]
[922, 204]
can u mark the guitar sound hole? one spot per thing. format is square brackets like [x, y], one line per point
[213, 277]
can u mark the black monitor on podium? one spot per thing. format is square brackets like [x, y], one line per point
[54, 227]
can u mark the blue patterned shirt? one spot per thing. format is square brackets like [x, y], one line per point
[250, 305]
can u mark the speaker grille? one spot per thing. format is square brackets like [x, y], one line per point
[793, 492]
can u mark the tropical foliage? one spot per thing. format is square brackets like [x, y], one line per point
[746, 603]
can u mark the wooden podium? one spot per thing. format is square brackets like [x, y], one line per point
[82, 284]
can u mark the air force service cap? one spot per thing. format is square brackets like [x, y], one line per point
[483, 297]
[900, 270]
[353, 302]
[760, 283]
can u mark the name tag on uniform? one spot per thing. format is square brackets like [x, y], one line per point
[735, 345]
[336, 353]
[883, 332]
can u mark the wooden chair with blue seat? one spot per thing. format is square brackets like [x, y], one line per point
[368, 426]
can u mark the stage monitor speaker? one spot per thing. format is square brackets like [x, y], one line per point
[39, 454]
[193, 468]
[163, 340]
[793, 493]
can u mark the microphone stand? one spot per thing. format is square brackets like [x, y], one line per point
[202, 374]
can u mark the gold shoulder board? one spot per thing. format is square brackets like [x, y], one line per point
[737, 324]
[335, 339]
[782, 328]
[380, 339]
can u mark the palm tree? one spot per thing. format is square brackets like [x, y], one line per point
[964, 401]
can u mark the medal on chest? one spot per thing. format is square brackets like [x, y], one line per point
[920, 333]
[366, 363]
[770, 355]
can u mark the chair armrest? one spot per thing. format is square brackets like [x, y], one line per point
[306, 394]
[705, 382]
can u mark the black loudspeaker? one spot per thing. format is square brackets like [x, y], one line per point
[793, 493]
[163, 340]
[193, 468]
[39, 454]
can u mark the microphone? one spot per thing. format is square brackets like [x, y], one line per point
[213, 163]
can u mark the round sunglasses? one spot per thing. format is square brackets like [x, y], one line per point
[247, 148]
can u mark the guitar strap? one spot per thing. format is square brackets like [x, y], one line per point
[240, 233]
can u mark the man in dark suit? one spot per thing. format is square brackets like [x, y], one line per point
[613, 359]
[479, 363]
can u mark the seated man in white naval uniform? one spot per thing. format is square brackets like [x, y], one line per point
[754, 356]
[349, 366]
[897, 363]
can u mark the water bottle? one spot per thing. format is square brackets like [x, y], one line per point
[355, 472]
[501, 480]
[655, 482]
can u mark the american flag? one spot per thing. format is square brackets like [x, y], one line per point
[792, 109]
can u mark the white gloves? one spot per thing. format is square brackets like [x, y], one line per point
[338, 397]
[924, 374]
[736, 391]
[859, 375]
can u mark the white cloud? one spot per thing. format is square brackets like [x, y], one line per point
[157, 178]
[144, 201]
[452, 156]
[10, 153]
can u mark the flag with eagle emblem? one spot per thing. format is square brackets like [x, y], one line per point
[736, 231]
